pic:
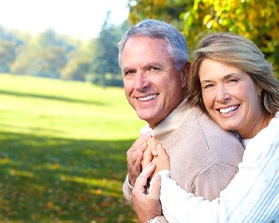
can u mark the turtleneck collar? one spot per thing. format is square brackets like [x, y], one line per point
[169, 124]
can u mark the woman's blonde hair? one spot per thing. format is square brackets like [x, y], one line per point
[239, 52]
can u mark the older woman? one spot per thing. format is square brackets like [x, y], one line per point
[232, 81]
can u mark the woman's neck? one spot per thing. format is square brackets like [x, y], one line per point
[263, 120]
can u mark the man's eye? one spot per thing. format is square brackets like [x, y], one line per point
[129, 74]
[154, 68]
[153, 71]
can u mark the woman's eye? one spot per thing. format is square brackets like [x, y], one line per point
[233, 81]
[208, 86]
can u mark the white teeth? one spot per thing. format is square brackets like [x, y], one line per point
[147, 98]
[226, 110]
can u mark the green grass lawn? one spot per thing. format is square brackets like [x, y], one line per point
[63, 151]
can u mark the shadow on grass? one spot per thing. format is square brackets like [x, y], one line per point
[62, 180]
[49, 97]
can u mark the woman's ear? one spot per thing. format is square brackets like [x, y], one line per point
[259, 90]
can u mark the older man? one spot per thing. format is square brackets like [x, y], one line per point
[154, 64]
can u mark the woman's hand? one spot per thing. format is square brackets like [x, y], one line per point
[161, 159]
[147, 155]
[157, 154]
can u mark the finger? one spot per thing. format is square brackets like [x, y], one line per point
[143, 147]
[155, 151]
[142, 179]
[146, 172]
[153, 144]
[139, 154]
[161, 151]
[154, 147]
[147, 156]
[138, 143]
[155, 186]
[142, 139]
[162, 161]
[135, 153]
[139, 160]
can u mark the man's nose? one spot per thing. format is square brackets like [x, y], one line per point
[140, 81]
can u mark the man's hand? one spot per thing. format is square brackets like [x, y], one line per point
[135, 156]
[147, 204]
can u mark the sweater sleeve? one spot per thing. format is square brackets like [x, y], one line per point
[127, 190]
[252, 195]
[214, 178]
[160, 219]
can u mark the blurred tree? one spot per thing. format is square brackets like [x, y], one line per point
[84, 63]
[44, 55]
[78, 65]
[53, 54]
[105, 61]
[27, 63]
[9, 44]
[50, 38]
[11, 36]
[7, 55]
[52, 60]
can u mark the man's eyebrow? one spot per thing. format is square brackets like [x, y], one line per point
[126, 68]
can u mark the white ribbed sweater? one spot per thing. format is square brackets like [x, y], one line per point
[251, 197]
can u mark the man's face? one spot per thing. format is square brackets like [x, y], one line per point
[152, 84]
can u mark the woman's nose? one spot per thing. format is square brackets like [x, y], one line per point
[222, 95]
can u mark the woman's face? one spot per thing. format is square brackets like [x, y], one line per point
[231, 98]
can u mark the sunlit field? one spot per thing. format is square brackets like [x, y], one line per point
[63, 151]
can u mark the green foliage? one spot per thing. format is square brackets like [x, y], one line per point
[7, 55]
[105, 59]
[166, 10]
[9, 43]
[78, 65]
[63, 151]
[52, 55]
[257, 20]
[44, 55]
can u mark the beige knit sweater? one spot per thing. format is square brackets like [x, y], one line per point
[203, 157]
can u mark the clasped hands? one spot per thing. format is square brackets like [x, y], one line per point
[145, 158]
